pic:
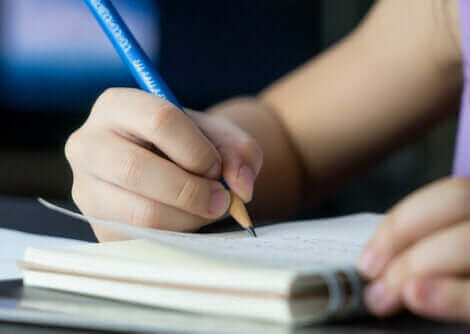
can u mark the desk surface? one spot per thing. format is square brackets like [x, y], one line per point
[28, 216]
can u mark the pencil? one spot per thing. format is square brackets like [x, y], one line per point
[149, 80]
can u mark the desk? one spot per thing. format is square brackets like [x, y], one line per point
[27, 215]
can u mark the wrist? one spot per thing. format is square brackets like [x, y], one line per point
[276, 196]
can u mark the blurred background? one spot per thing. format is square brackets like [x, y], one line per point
[54, 62]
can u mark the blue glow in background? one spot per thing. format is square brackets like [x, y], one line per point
[55, 55]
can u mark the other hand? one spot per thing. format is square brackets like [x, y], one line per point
[420, 256]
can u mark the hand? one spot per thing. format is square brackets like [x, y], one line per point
[420, 256]
[140, 160]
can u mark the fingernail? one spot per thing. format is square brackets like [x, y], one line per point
[219, 202]
[378, 300]
[214, 171]
[421, 292]
[370, 264]
[426, 291]
[247, 177]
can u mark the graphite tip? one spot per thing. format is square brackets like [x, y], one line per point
[252, 231]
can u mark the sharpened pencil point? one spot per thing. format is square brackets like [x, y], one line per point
[239, 213]
[252, 231]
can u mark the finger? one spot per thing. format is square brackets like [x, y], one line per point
[159, 122]
[381, 301]
[441, 254]
[444, 298]
[114, 159]
[106, 201]
[241, 155]
[421, 214]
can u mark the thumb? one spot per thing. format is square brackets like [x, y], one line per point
[242, 157]
[241, 163]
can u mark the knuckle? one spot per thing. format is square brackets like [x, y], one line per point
[147, 214]
[130, 172]
[73, 146]
[203, 157]
[162, 117]
[110, 94]
[188, 194]
[248, 146]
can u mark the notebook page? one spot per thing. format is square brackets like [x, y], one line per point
[320, 243]
[13, 244]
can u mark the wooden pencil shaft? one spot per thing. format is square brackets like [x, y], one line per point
[238, 211]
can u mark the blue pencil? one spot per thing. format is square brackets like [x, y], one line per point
[148, 78]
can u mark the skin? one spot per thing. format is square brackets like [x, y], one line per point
[139, 160]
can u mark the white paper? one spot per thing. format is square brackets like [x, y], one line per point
[53, 308]
[307, 244]
[13, 244]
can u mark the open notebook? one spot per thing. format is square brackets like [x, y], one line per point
[293, 273]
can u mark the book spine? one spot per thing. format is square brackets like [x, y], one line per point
[345, 287]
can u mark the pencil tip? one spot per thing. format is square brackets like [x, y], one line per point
[240, 214]
[252, 231]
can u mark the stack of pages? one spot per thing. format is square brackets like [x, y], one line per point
[294, 273]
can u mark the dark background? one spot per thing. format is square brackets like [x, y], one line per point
[210, 51]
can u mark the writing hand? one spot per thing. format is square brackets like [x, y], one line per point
[140, 160]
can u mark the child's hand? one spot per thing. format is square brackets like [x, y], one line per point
[140, 160]
[420, 256]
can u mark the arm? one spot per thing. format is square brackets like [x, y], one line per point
[385, 84]
[318, 124]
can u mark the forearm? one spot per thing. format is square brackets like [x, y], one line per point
[373, 91]
[351, 105]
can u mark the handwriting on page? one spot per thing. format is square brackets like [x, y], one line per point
[303, 244]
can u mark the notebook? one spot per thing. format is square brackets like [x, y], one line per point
[294, 273]
[14, 243]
